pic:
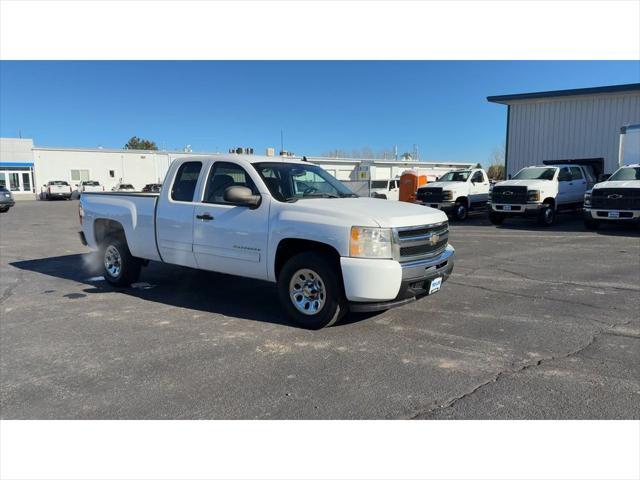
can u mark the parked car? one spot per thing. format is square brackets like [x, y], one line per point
[57, 189]
[123, 187]
[89, 186]
[457, 192]
[6, 199]
[284, 221]
[540, 192]
[152, 187]
[387, 189]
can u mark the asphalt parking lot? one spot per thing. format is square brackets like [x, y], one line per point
[534, 324]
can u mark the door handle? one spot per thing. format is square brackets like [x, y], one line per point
[204, 216]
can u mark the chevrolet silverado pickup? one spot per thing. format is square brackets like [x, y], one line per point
[457, 192]
[282, 220]
[541, 192]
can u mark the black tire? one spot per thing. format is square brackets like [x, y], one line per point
[130, 266]
[496, 218]
[4, 209]
[460, 211]
[591, 224]
[331, 291]
[546, 216]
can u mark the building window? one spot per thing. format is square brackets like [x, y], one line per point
[112, 173]
[79, 175]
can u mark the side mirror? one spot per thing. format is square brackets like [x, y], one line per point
[241, 196]
[603, 177]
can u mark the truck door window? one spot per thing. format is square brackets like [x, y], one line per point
[184, 185]
[576, 173]
[564, 175]
[477, 177]
[224, 175]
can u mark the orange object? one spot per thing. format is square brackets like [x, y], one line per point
[410, 181]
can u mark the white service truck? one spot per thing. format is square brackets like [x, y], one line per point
[277, 219]
[617, 199]
[457, 192]
[540, 192]
[387, 189]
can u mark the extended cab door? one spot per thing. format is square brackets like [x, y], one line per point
[230, 238]
[174, 217]
[565, 187]
[579, 184]
[478, 189]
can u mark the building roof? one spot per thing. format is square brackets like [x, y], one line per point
[506, 99]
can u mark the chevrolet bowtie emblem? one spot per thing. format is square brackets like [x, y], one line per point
[434, 239]
[614, 196]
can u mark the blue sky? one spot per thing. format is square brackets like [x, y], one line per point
[212, 105]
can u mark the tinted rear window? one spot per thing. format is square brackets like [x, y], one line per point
[58, 182]
[126, 185]
[91, 183]
[186, 180]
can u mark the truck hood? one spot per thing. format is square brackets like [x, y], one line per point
[371, 211]
[530, 184]
[618, 184]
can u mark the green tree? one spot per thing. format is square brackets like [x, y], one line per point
[137, 143]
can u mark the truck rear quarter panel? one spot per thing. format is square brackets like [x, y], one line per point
[134, 212]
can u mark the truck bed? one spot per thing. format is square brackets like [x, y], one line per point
[135, 211]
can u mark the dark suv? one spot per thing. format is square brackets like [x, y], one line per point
[6, 199]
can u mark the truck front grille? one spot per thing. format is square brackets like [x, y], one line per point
[429, 195]
[422, 241]
[509, 195]
[615, 198]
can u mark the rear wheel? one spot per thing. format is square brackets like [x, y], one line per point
[460, 211]
[310, 290]
[546, 216]
[120, 267]
[496, 218]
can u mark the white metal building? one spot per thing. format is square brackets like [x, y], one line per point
[25, 168]
[568, 124]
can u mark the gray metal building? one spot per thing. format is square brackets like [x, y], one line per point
[568, 124]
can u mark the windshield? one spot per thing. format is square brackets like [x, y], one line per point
[379, 183]
[535, 173]
[91, 183]
[625, 173]
[288, 182]
[455, 176]
[58, 182]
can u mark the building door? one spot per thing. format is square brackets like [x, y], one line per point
[26, 181]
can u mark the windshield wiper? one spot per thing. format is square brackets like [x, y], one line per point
[320, 195]
[348, 195]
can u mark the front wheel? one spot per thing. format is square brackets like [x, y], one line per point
[460, 211]
[310, 290]
[121, 269]
[546, 216]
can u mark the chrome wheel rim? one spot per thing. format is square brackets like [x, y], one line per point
[548, 215]
[307, 291]
[112, 261]
[462, 211]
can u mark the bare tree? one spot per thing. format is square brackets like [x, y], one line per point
[496, 170]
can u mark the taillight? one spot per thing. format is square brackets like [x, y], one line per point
[80, 213]
[103, 188]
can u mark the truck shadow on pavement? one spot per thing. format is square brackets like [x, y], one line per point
[173, 285]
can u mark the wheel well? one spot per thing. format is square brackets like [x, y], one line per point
[550, 201]
[103, 228]
[289, 247]
[464, 200]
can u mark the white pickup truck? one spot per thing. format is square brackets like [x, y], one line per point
[618, 198]
[387, 189]
[276, 219]
[541, 192]
[457, 192]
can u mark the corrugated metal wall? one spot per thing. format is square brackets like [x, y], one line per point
[569, 127]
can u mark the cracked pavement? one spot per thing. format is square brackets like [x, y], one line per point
[534, 324]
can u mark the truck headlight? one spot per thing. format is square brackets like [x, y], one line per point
[370, 242]
[447, 195]
[533, 196]
[587, 199]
